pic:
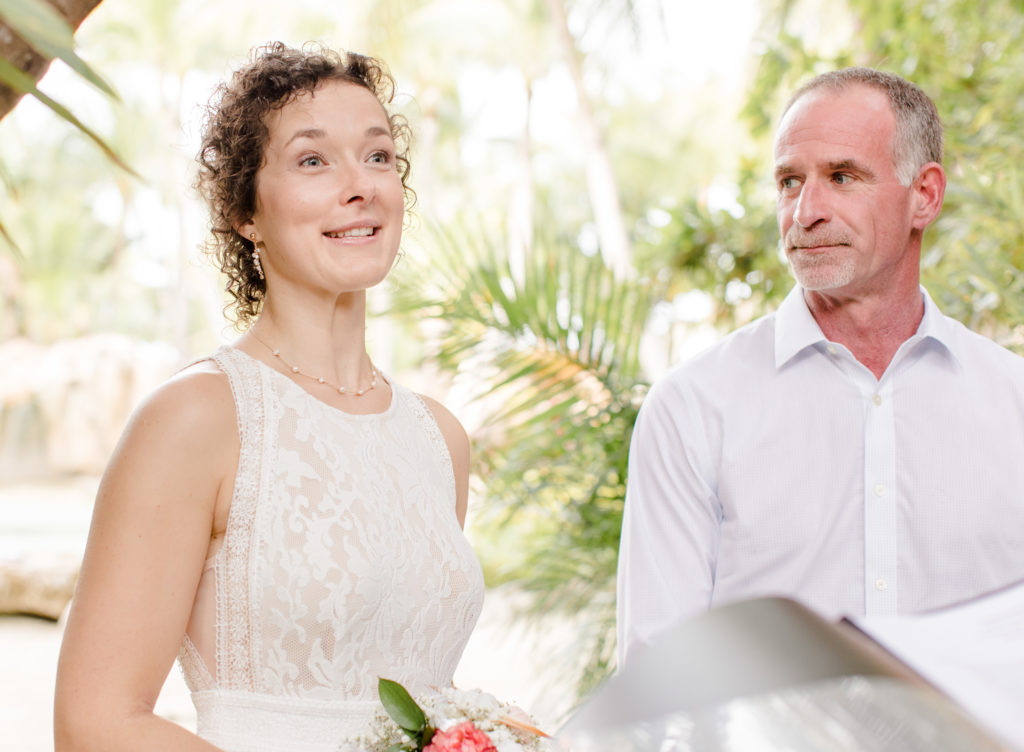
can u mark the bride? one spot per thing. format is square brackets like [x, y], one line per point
[281, 516]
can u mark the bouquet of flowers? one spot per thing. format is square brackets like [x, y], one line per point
[450, 720]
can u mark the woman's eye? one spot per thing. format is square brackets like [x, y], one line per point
[311, 161]
[380, 157]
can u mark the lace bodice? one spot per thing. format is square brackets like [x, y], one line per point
[342, 561]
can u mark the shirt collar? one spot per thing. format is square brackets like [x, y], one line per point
[796, 329]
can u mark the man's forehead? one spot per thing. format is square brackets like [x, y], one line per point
[850, 99]
[842, 122]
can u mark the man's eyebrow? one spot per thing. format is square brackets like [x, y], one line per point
[783, 169]
[841, 165]
[851, 165]
[373, 131]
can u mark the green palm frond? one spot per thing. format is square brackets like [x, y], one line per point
[39, 24]
[550, 346]
[560, 322]
[7, 183]
[25, 84]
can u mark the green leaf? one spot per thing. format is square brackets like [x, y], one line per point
[401, 707]
[11, 243]
[22, 82]
[39, 24]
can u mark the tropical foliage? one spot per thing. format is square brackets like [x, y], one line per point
[49, 34]
[50, 37]
[549, 344]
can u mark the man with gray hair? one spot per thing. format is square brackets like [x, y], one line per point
[856, 450]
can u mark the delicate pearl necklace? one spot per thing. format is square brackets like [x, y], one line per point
[320, 379]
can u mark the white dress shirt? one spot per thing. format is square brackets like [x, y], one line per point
[774, 463]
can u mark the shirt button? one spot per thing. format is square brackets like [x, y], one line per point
[881, 584]
[877, 399]
[879, 490]
[831, 349]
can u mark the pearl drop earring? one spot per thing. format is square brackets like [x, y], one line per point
[256, 255]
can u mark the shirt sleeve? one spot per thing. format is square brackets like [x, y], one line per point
[671, 519]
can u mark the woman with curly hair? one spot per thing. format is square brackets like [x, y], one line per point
[282, 516]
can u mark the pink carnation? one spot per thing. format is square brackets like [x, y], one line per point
[464, 737]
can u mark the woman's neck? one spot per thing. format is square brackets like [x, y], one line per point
[327, 341]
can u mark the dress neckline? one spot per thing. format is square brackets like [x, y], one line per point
[294, 385]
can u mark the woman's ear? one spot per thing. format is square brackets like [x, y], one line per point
[929, 188]
[247, 230]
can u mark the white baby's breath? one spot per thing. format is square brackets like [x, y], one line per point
[449, 707]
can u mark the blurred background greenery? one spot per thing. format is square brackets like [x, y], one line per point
[595, 203]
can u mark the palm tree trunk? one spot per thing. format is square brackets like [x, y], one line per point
[521, 219]
[15, 50]
[601, 184]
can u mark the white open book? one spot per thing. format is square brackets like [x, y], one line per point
[973, 652]
[769, 675]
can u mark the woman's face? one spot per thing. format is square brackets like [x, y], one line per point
[329, 199]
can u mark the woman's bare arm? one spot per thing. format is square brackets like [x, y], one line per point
[151, 529]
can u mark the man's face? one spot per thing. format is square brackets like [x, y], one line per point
[845, 221]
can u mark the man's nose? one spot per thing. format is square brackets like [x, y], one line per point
[812, 205]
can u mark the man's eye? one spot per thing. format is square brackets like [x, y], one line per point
[787, 183]
[842, 178]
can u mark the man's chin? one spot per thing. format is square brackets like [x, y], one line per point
[821, 278]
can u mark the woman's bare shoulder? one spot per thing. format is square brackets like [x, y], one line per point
[196, 401]
[181, 442]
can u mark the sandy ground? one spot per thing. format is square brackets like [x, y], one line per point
[502, 657]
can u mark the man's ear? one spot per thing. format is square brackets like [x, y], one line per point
[929, 188]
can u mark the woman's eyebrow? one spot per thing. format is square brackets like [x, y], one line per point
[307, 133]
[373, 131]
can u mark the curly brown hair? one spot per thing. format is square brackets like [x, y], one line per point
[235, 135]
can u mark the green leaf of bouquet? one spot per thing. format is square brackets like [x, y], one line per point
[39, 24]
[401, 707]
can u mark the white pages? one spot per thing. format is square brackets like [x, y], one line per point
[973, 652]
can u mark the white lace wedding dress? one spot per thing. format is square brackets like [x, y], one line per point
[343, 561]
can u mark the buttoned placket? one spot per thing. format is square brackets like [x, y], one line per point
[879, 500]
